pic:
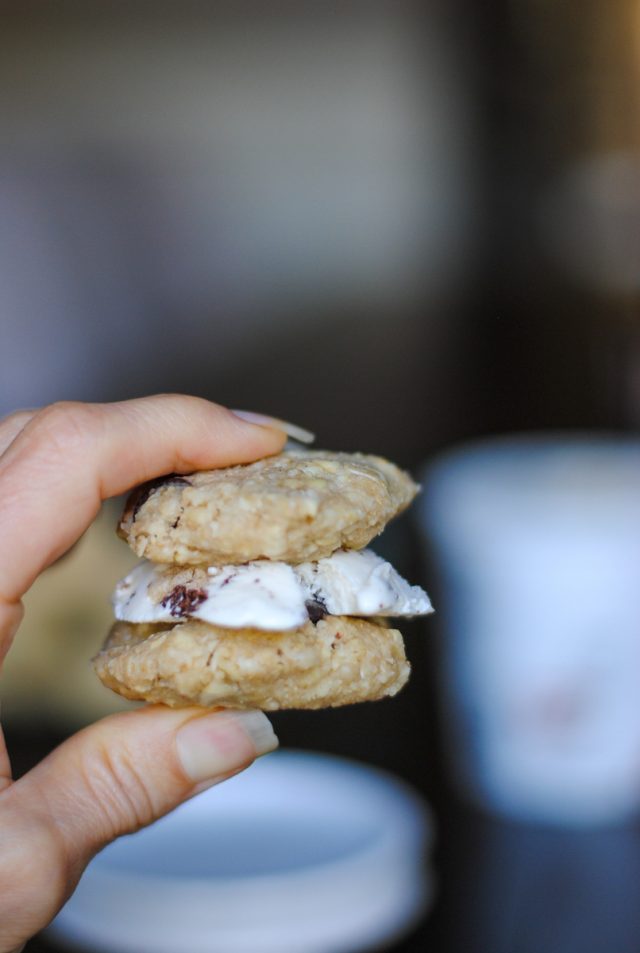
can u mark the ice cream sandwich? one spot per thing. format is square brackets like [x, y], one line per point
[256, 589]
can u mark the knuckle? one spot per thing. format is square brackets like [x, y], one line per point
[15, 417]
[116, 786]
[65, 425]
[178, 407]
[11, 425]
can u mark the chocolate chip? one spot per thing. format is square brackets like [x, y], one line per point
[316, 609]
[142, 493]
[182, 601]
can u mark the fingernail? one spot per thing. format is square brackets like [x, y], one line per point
[218, 744]
[298, 433]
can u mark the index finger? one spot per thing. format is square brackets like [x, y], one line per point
[70, 457]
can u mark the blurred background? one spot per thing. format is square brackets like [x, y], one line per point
[402, 225]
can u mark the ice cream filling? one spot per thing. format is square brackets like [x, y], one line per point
[265, 594]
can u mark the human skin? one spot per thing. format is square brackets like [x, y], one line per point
[57, 465]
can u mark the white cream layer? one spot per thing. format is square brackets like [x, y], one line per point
[265, 594]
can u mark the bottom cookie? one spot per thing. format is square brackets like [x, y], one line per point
[338, 661]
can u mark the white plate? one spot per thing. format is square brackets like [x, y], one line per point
[302, 853]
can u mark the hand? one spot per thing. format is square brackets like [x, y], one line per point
[56, 467]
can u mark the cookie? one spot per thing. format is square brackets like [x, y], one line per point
[338, 661]
[296, 507]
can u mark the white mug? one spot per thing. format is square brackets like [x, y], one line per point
[538, 542]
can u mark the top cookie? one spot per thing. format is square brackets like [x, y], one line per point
[299, 506]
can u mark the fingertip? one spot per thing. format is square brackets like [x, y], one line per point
[214, 745]
[301, 434]
[260, 438]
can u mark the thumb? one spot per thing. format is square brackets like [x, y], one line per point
[111, 778]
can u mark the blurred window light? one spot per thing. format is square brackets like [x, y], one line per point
[196, 182]
[321, 151]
